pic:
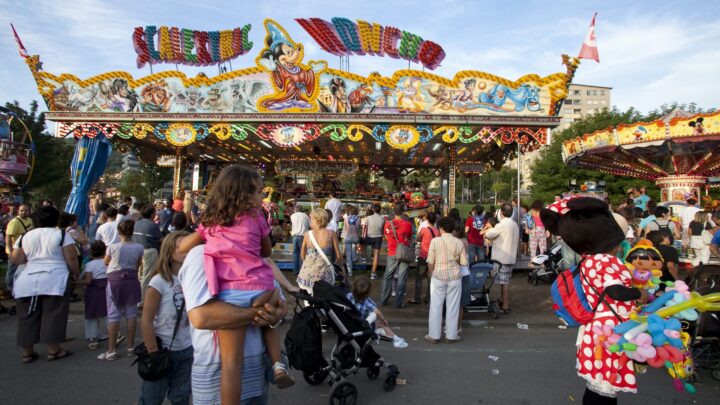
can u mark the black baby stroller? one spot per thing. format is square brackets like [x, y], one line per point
[550, 264]
[352, 351]
[480, 284]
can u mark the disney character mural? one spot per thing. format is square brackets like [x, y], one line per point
[295, 84]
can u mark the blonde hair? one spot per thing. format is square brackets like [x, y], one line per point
[701, 217]
[320, 217]
[188, 203]
[165, 261]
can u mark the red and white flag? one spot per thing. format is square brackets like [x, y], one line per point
[21, 49]
[589, 47]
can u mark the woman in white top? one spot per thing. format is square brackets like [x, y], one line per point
[165, 326]
[317, 264]
[42, 288]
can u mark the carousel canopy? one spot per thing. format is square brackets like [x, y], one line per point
[286, 109]
[679, 144]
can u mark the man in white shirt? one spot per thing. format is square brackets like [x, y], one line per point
[207, 314]
[334, 205]
[300, 222]
[505, 237]
[107, 232]
[688, 214]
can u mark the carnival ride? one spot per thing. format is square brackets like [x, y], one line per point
[17, 157]
[678, 152]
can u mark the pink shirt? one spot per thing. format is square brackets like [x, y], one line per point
[232, 255]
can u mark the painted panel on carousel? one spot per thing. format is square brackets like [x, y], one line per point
[572, 147]
[599, 139]
[288, 135]
[402, 136]
[283, 82]
[641, 133]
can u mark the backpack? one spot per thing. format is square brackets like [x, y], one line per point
[529, 221]
[665, 229]
[303, 342]
[569, 300]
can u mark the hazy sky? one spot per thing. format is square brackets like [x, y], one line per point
[651, 52]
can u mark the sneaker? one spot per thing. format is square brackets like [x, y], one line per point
[373, 276]
[108, 356]
[393, 293]
[130, 351]
[399, 343]
[92, 344]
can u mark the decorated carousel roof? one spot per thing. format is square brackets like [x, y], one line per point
[286, 109]
[677, 144]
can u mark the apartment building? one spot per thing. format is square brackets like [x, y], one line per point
[582, 100]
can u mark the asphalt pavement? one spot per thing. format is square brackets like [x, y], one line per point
[497, 362]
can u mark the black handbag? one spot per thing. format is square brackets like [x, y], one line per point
[157, 365]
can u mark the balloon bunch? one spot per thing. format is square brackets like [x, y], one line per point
[645, 262]
[654, 333]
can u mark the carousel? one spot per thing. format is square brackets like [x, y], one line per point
[290, 117]
[17, 157]
[679, 152]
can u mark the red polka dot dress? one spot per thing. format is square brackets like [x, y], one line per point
[611, 372]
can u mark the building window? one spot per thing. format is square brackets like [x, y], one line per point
[577, 102]
[588, 92]
[576, 92]
[603, 101]
[594, 92]
[577, 111]
[602, 92]
[568, 101]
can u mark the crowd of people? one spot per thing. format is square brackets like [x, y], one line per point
[208, 292]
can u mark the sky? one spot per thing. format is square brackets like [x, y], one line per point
[651, 52]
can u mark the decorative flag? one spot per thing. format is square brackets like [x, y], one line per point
[589, 47]
[21, 49]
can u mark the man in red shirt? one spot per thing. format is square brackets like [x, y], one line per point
[473, 226]
[403, 230]
[426, 235]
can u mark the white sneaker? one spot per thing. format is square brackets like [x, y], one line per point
[107, 356]
[399, 343]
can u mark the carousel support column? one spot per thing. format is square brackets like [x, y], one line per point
[678, 188]
[452, 169]
[179, 173]
[196, 178]
[519, 203]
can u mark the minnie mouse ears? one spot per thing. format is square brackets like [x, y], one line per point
[698, 121]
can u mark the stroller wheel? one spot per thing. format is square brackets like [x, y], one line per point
[494, 310]
[343, 393]
[390, 383]
[373, 372]
[315, 378]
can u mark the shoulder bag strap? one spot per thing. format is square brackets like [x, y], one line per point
[319, 250]
[431, 231]
[601, 296]
[177, 322]
[392, 226]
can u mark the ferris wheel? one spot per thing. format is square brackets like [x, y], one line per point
[17, 157]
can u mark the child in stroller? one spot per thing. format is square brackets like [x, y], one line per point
[549, 265]
[352, 351]
[360, 297]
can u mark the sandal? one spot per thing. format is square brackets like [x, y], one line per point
[60, 354]
[504, 311]
[282, 378]
[453, 340]
[431, 340]
[29, 358]
[107, 356]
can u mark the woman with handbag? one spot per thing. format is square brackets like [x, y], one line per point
[43, 288]
[318, 245]
[351, 236]
[166, 331]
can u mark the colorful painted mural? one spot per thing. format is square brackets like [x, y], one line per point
[283, 82]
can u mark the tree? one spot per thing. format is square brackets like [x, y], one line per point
[143, 183]
[550, 175]
[51, 173]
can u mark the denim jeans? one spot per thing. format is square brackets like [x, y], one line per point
[297, 246]
[263, 399]
[393, 265]
[96, 328]
[176, 386]
[350, 257]
[475, 251]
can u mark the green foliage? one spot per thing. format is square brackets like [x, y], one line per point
[142, 184]
[51, 173]
[550, 175]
